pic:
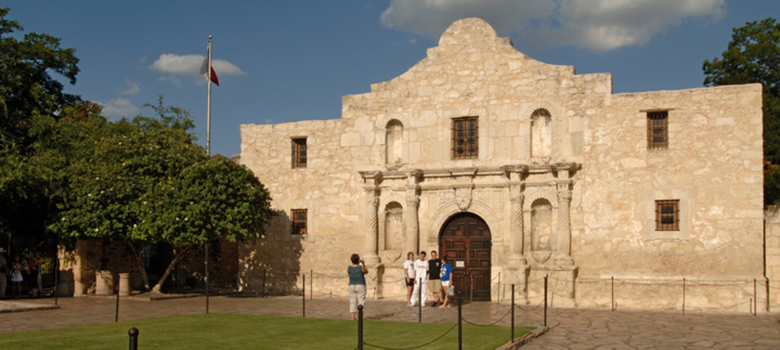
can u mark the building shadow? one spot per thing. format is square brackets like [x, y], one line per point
[270, 265]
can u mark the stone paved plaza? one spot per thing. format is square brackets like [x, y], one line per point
[570, 328]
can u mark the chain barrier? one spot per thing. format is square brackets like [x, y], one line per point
[531, 309]
[487, 325]
[735, 283]
[273, 280]
[720, 307]
[414, 347]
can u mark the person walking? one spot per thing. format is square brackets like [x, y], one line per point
[357, 284]
[420, 280]
[409, 277]
[434, 280]
[446, 278]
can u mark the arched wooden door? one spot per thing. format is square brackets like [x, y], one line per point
[465, 240]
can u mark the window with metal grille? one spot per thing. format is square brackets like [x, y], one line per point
[667, 215]
[298, 221]
[299, 153]
[465, 138]
[657, 130]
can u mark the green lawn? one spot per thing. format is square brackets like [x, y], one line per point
[229, 331]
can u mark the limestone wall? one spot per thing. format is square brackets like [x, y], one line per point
[592, 148]
[328, 188]
[713, 166]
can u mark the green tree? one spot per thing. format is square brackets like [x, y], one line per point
[753, 56]
[126, 160]
[31, 185]
[31, 101]
[207, 200]
[26, 88]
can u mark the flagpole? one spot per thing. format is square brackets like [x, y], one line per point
[208, 154]
[208, 105]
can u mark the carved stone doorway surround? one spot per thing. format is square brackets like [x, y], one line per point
[522, 184]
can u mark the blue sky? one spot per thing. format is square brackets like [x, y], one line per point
[289, 60]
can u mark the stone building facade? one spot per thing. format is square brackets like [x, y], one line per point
[517, 169]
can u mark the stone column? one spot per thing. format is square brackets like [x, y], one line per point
[516, 231]
[104, 283]
[124, 284]
[372, 201]
[564, 225]
[517, 267]
[411, 224]
[412, 236]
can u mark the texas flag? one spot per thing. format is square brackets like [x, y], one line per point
[205, 67]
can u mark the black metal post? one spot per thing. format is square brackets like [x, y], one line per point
[513, 313]
[613, 292]
[545, 300]
[176, 277]
[206, 278]
[56, 275]
[460, 321]
[419, 300]
[683, 305]
[116, 318]
[263, 295]
[311, 285]
[304, 295]
[755, 299]
[133, 332]
[360, 327]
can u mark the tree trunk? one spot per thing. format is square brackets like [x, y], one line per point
[140, 260]
[180, 254]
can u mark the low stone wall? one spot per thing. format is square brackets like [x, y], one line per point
[670, 294]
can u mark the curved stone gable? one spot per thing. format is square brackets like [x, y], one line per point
[471, 56]
[471, 33]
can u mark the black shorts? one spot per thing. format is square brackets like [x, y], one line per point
[410, 282]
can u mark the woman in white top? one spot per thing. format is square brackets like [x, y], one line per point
[409, 277]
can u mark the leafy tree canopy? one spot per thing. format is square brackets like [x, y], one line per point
[753, 56]
[124, 161]
[32, 185]
[26, 88]
[207, 200]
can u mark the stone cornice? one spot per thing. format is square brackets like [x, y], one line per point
[519, 169]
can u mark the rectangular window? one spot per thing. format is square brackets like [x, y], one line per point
[465, 138]
[298, 153]
[667, 215]
[298, 221]
[657, 130]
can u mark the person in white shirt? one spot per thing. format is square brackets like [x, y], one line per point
[420, 279]
[409, 277]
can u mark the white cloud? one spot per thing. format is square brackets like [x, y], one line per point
[189, 65]
[133, 88]
[174, 80]
[118, 108]
[597, 25]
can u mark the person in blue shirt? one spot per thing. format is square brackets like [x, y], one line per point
[446, 274]
[357, 284]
